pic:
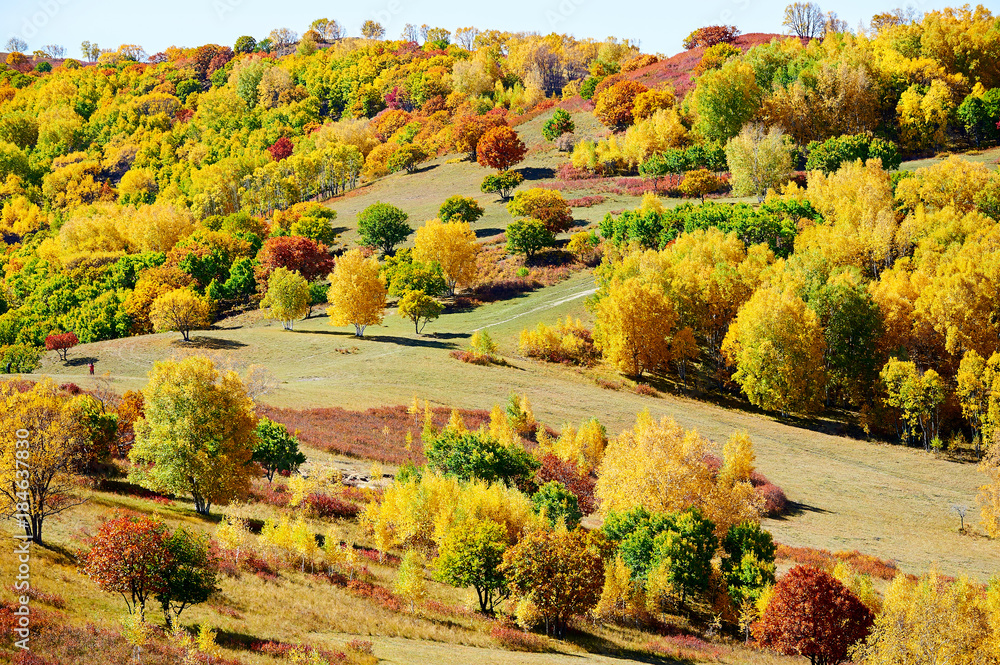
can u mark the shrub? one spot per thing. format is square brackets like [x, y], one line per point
[579, 483]
[638, 62]
[560, 123]
[711, 35]
[512, 639]
[460, 209]
[568, 341]
[830, 154]
[547, 206]
[325, 506]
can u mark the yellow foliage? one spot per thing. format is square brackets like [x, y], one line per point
[661, 467]
[635, 321]
[649, 102]
[923, 116]
[453, 246]
[738, 457]
[357, 292]
[621, 600]
[181, 310]
[954, 182]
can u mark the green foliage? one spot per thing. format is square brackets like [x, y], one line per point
[471, 555]
[528, 237]
[479, 455]
[774, 223]
[275, 449]
[403, 274]
[419, 308]
[635, 532]
[20, 358]
[588, 86]
[828, 155]
[684, 552]
[560, 123]
[711, 156]
[245, 44]
[980, 115]
[557, 503]
[460, 209]
[502, 183]
[316, 225]
[383, 226]
[748, 561]
[190, 576]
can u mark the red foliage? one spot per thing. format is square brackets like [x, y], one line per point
[585, 201]
[711, 35]
[500, 148]
[323, 505]
[513, 639]
[71, 388]
[128, 556]
[567, 171]
[281, 149]
[826, 560]
[468, 130]
[812, 614]
[304, 255]
[684, 648]
[183, 115]
[581, 485]
[775, 501]
[62, 343]
[638, 62]
[360, 433]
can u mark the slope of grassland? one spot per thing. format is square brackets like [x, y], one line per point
[884, 500]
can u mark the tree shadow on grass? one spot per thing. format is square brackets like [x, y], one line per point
[80, 362]
[233, 640]
[537, 173]
[388, 339]
[424, 169]
[211, 343]
[488, 233]
[796, 509]
[596, 644]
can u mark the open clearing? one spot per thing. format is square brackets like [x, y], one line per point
[885, 500]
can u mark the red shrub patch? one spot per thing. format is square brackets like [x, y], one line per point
[775, 501]
[513, 639]
[361, 433]
[324, 505]
[645, 389]
[826, 560]
[586, 201]
[582, 486]
[684, 647]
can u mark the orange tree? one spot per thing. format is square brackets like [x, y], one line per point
[129, 556]
[614, 105]
[813, 615]
[563, 571]
[500, 149]
[546, 205]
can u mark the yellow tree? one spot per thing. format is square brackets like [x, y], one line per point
[635, 322]
[181, 310]
[933, 620]
[197, 433]
[777, 346]
[409, 583]
[662, 467]
[973, 393]
[36, 455]
[453, 246]
[357, 292]
[287, 296]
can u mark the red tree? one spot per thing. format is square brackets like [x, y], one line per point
[469, 129]
[711, 35]
[281, 149]
[580, 484]
[813, 615]
[129, 556]
[500, 148]
[304, 255]
[62, 343]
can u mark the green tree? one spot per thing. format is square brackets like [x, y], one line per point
[502, 183]
[383, 226]
[759, 160]
[554, 501]
[245, 44]
[635, 532]
[275, 449]
[190, 576]
[748, 561]
[480, 455]
[403, 274]
[918, 396]
[560, 123]
[684, 552]
[420, 308]
[196, 434]
[409, 583]
[528, 237]
[725, 99]
[472, 555]
[460, 209]
[287, 296]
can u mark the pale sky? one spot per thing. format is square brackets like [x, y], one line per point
[157, 24]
